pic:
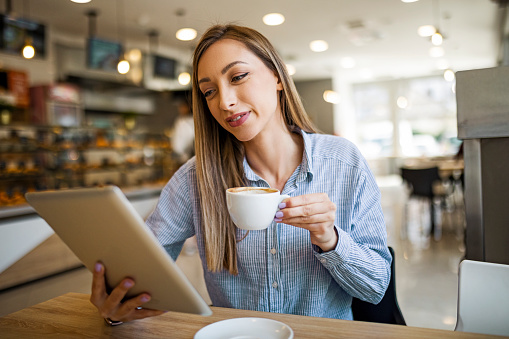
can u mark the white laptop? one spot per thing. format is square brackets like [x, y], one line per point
[100, 224]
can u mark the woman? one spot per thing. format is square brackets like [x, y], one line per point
[328, 242]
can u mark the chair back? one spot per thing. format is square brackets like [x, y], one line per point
[387, 311]
[483, 298]
[420, 180]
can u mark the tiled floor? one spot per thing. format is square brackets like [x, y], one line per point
[426, 269]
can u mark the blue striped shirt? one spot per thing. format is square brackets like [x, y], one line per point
[279, 269]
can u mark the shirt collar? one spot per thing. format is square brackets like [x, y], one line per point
[305, 168]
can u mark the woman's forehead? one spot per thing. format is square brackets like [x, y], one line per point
[224, 52]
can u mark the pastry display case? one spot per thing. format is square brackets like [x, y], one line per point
[34, 158]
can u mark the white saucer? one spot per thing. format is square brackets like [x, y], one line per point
[245, 328]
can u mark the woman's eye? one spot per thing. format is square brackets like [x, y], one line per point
[207, 93]
[239, 77]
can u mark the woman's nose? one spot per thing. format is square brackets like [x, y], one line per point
[227, 99]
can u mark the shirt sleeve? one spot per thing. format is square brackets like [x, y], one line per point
[361, 261]
[172, 221]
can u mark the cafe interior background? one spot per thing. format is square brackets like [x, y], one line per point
[69, 118]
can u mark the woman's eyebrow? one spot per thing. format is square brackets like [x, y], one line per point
[230, 65]
[224, 70]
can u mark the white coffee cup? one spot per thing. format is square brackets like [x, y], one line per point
[253, 208]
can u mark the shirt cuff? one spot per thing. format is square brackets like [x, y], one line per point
[338, 254]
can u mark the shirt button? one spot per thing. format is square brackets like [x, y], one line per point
[273, 250]
[323, 261]
[274, 284]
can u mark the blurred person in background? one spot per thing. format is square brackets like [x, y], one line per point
[182, 134]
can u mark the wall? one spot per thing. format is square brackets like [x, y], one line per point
[320, 112]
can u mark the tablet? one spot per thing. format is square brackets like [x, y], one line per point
[100, 224]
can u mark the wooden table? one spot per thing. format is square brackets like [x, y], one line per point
[73, 316]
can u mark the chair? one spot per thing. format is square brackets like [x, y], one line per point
[483, 298]
[387, 311]
[421, 181]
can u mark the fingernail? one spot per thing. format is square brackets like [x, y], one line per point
[282, 205]
[279, 214]
[128, 283]
[278, 220]
[145, 298]
[98, 267]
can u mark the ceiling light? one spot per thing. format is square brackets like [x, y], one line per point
[348, 62]
[437, 39]
[273, 19]
[186, 34]
[28, 51]
[408, 1]
[81, 1]
[402, 102]
[331, 97]
[184, 78]
[291, 69]
[426, 30]
[449, 75]
[319, 45]
[134, 55]
[123, 66]
[436, 52]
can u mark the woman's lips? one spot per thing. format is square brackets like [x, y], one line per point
[237, 119]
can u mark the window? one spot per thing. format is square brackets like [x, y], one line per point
[409, 118]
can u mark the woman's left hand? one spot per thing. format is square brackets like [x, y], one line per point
[314, 212]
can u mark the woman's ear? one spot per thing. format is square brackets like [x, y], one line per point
[279, 84]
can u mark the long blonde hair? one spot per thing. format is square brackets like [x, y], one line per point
[219, 155]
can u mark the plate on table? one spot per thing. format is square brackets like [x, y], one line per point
[246, 328]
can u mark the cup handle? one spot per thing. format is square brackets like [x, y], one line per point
[283, 197]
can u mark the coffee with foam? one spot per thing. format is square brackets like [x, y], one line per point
[252, 190]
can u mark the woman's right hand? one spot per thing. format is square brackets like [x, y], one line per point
[111, 305]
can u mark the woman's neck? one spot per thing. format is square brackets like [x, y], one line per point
[275, 156]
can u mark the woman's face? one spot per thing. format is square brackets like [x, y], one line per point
[241, 92]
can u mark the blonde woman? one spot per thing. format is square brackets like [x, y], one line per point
[328, 242]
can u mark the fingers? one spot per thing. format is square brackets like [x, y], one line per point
[111, 306]
[98, 294]
[306, 199]
[132, 310]
[314, 212]
[311, 209]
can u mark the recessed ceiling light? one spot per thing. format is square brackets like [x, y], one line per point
[186, 34]
[426, 30]
[318, 45]
[81, 1]
[273, 19]
[408, 1]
